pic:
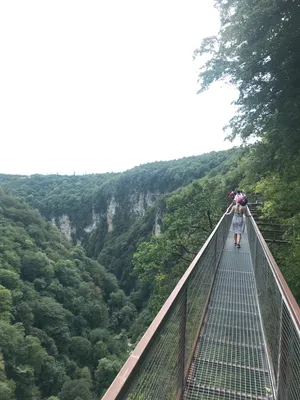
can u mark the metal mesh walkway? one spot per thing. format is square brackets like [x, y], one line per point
[210, 340]
[230, 361]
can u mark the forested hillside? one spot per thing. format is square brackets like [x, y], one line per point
[71, 307]
[63, 318]
[74, 301]
[110, 213]
[112, 199]
[66, 311]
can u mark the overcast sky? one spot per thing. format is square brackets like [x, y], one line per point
[96, 86]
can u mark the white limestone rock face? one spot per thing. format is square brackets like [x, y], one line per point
[149, 200]
[111, 211]
[157, 227]
[65, 227]
[141, 202]
[95, 222]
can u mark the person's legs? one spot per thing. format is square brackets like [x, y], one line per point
[234, 237]
[238, 240]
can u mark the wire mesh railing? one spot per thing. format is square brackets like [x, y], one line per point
[280, 317]
[158, 367]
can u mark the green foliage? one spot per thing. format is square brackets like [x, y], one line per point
[281, 192]
[139, 199]
[35, 265]
[74, 320]
[7, 387]
[189, 219]
[9, 279]
[50, 303]
[79, 389]
[5, 304]
[79, 197]
[66, 323]
[105, 372]
[257, 50]
[80, 350]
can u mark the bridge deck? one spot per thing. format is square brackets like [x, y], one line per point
[230, 361]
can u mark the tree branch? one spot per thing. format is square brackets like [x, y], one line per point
[180, 256]
[185, 249]
[209, 219]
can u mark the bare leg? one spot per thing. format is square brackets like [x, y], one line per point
[234, 237]
[238, 240]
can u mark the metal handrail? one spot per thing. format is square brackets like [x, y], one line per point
[122, 380]
[280, 318]
[281, 282]
[278, 309]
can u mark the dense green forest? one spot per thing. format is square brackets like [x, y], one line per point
[74, 303]
[80, 196]
[109, 214]
[66, 311]
[63, 318]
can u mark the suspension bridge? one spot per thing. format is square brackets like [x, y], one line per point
[230, 330]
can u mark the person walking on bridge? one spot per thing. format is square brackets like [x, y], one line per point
[238, 224]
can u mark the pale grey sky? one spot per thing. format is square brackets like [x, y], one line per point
[96, 86]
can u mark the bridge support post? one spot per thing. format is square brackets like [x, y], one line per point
[181, 354]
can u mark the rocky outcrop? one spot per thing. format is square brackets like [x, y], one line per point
[111, 211]
[140, 202]
[95, 221]
[157, 227]
[65, 227]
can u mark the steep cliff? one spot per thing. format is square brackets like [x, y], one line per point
[109, 214]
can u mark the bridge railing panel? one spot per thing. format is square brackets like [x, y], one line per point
[158, 366]
[158, 374]
[280, 318]
[289, 364]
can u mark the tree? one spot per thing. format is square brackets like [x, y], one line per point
[36, 265]
[7, 387]
[80, 350]
[9, 279]
[5, 304]
[105, 373]
[257, 51]
[50, 301]
[100, 351]
[76, 389]
[190, 217]
[23, 357]
[52, 376]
